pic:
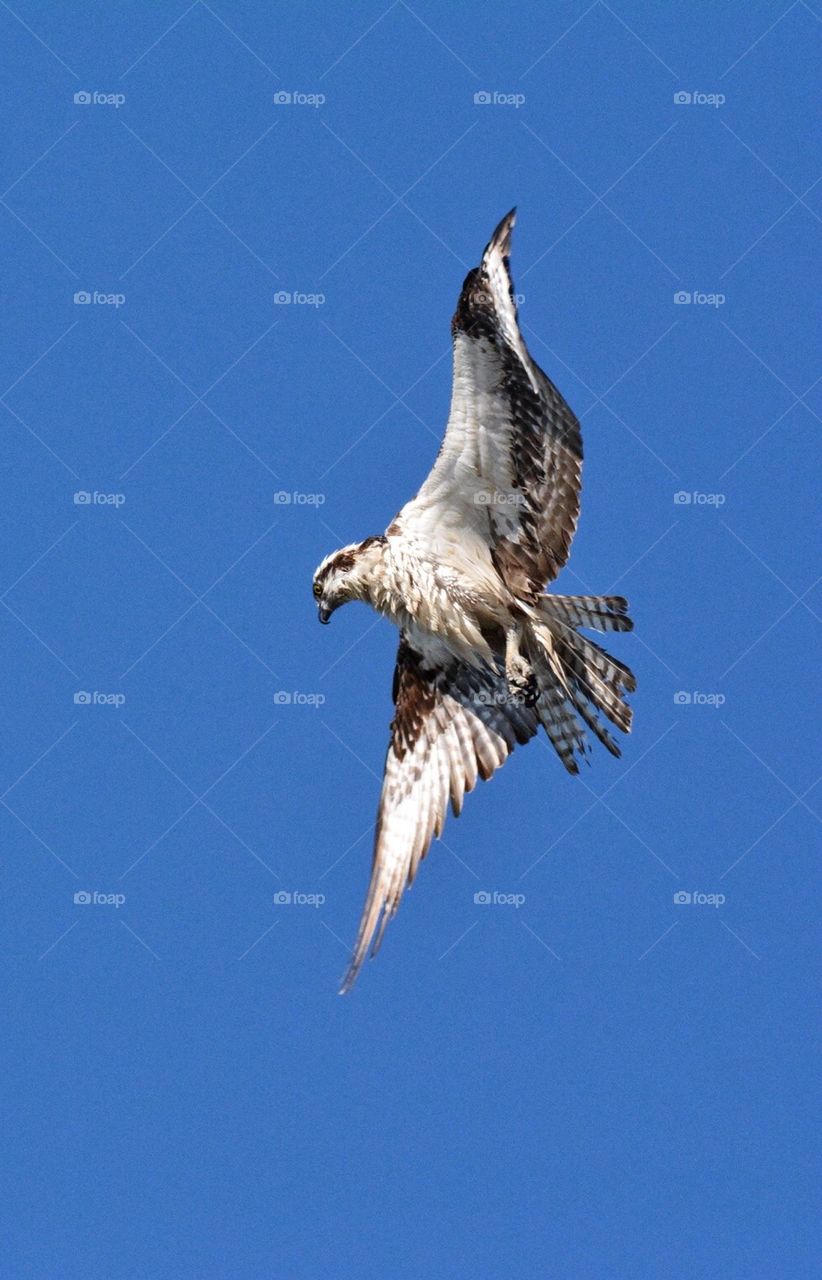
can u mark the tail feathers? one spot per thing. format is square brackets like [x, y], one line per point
[558, 720]
[589, 676]
[611, 670]
[577, 697]
[600, 613]
[577, 678]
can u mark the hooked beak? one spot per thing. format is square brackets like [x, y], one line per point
[324, 614]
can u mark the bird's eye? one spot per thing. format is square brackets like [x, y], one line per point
[317, 590]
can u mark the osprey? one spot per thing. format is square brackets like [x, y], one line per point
[486, 656]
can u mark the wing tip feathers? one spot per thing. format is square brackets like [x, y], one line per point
[501, 239]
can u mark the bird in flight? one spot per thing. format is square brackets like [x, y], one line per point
[486, 655]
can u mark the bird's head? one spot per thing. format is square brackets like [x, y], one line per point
[345, 575]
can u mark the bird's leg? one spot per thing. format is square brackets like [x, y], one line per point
[518, 672]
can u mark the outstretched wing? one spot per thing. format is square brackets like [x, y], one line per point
[508, 473]
[452, 724]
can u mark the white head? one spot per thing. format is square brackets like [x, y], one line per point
[345, 575]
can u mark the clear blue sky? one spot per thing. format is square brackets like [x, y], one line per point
[599, 1081]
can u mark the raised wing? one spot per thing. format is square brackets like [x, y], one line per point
[508, 473]
[452, 724]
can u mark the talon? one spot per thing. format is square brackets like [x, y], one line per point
[523, 688]
[522, 683]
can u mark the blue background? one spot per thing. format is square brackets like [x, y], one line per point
[601, 1081]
